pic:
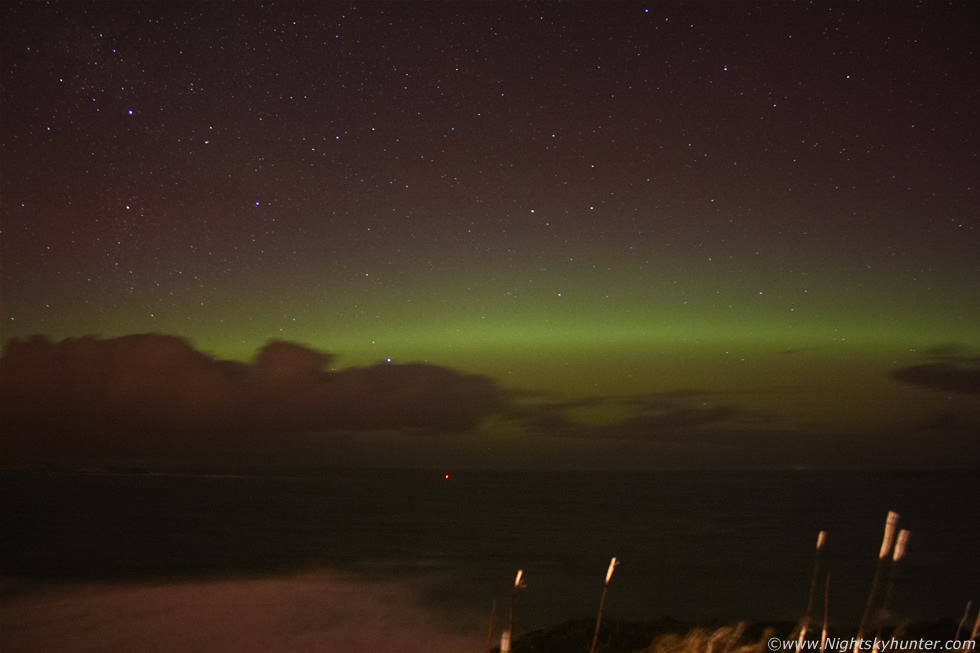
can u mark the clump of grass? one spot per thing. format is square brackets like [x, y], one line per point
[727, 639]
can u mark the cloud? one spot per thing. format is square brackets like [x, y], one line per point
[157, 383]
[951, 370]
[285, 368]
[672, 420]
[145, 399]
[148, 398]
[653, 416]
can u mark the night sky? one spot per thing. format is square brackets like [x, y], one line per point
[545, 234]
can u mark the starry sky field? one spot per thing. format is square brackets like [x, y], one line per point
[611, 234]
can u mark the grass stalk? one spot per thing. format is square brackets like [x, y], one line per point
[505, 642]
[966, 615]
[602, 602]
[493, 624]
[805, 624]
[518, 584]
[883, 614]
[826, 612]
[886, 546]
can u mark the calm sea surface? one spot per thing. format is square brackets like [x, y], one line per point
[691, 545]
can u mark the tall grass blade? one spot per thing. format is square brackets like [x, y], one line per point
[886, 546]
[976, 627]
[883, 615]
[505, 642]
[605, 588]
[966, 615]
[493, 624]
[518, 584]
[826, 611]
[805, 623]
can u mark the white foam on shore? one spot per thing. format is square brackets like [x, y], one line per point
[308, 612]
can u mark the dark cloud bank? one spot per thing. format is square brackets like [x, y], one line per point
[154, 382]
[961, 376]
[153, 398]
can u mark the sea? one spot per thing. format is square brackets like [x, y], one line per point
[340, 559]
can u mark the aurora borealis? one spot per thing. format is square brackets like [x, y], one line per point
[667, 232]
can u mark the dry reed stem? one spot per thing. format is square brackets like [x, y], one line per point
[605, 588]
[886, 546]
[966, 615]
[505, 642]
[805, 623]
[826, 612]
[518, 584]
[493, 624]
[900, 546]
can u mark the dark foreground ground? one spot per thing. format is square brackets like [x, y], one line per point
[331, 612]
[671, 636]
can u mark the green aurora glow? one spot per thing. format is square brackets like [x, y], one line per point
[578, 206]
